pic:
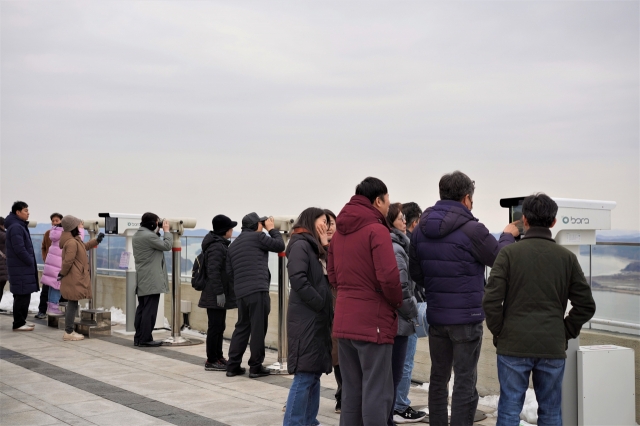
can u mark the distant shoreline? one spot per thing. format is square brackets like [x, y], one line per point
[616, 290]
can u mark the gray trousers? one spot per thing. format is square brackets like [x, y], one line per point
[367, 383]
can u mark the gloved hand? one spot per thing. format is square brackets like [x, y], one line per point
[60, 277]
[100, 237]
[221, 300]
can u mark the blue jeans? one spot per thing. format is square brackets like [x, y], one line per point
[402, 398]
[303, 402]
[513, 374]
[54, 295]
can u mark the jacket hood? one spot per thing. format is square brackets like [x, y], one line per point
[55, 233]
[66, 236]
[444, 218]
[401, 239]
[212, 238]
[302, 236]
[12, 219]
[357, 214]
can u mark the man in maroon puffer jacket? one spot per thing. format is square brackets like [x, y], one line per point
[362, 267]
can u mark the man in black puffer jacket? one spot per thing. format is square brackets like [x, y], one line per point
[248, 268]
[217, 295]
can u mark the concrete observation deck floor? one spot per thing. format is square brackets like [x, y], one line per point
[108, 381]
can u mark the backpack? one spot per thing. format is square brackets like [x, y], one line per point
[199, 272]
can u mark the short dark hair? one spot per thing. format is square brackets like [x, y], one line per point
[17, 206]
[149, 217]
[394, 210]
[58, 215]
[1, 221]
[539, 209]
[372, 188]
[455, 186]
[307, 220]
[412, 212]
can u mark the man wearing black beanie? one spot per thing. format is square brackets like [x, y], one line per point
[217, 295]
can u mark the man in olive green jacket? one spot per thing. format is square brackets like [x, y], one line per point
[151, 275]
[525, 302]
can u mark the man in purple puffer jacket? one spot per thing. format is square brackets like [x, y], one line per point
[448, 255]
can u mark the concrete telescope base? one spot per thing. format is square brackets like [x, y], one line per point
[278, 368]
[180, 341]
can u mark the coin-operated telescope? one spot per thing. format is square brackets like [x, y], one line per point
[284, 224]
[576, 225]
[32, 224]
[127, 224]
[92, 226]
[177, 227]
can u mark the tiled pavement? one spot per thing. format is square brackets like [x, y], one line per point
[45, 381]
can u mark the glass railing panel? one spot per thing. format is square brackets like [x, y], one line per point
[615, 283]
[37, 239]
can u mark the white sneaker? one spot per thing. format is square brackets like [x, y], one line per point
[72, 337]
[25, 327]
[30, 324]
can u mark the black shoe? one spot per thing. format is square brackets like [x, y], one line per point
[151, 344]
[237, 372]
[408, 416]
[262, 372]
[214, 366]
[338, 406]
[136, 344]
[40, 315]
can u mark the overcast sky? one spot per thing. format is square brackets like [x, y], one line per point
[198, 108]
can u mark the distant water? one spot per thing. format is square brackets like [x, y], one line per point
[609, 305]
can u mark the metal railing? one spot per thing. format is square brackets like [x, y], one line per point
[109, 252]
[111, 249]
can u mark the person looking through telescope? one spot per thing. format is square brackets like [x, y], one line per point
[151, 275]
[248, 268]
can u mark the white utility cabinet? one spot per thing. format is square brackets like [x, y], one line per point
[606, 386]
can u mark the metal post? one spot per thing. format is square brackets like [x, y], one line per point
[93, 269]
[283, 305]
[176, 315]
[175, 290]
[570, 379]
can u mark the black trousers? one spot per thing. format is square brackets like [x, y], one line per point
[20, 309]
[253, 320]
[458, 346]
[44, 298]
[146, 314]
[215, 330]
[338, 375]
[70, 316]
[398, 356]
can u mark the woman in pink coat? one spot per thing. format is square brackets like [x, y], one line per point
[53, 263]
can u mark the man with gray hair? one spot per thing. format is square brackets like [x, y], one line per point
[448, 254]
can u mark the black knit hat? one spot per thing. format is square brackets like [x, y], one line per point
[221, 224]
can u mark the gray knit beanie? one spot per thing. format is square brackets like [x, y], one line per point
[69, 223]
